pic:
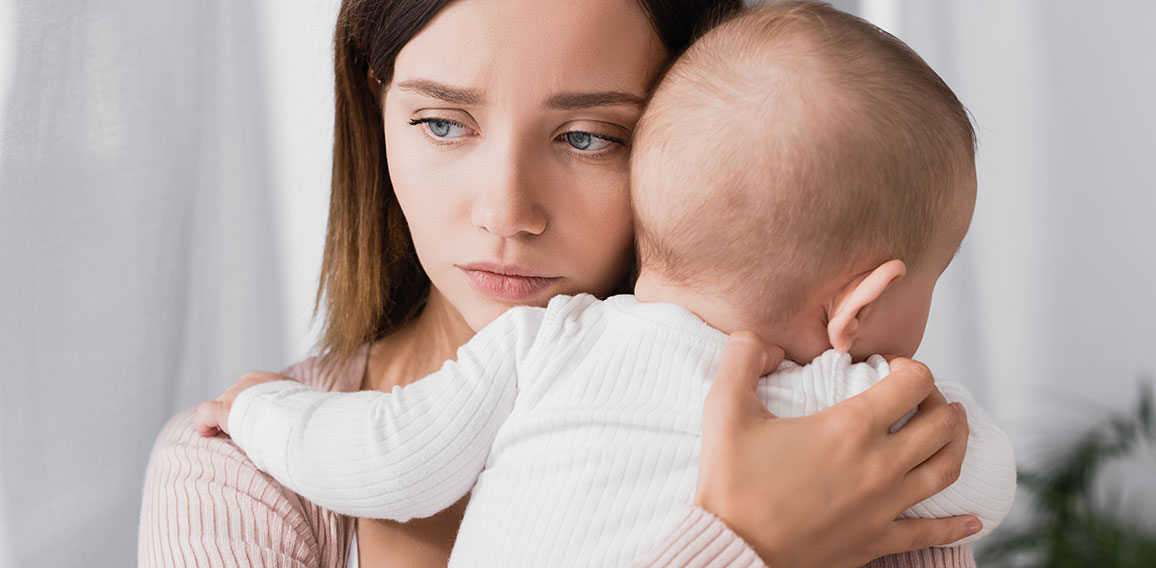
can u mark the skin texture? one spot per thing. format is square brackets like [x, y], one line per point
[506, 176]
[890, 314]
[499, 180]
[501, 177]
[866, 308]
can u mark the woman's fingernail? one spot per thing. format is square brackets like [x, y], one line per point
[973, 527]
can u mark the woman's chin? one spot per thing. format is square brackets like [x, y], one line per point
[482, 310]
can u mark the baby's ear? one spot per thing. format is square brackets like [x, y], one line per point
[853, 303]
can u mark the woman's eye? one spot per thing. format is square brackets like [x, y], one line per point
[442, 128]
[588, 142]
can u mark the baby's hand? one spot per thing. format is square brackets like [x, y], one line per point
[213, 416]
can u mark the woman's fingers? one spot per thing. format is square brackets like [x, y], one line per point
[732, 395]
[846, 466]
[733, 417]
[915, 534]
[908, 384]
[931, 428]
[941, 469]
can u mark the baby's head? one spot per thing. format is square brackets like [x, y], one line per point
[801, 173]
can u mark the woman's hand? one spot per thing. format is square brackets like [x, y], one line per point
[213, 416]
[826, 489]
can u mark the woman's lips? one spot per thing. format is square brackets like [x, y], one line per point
[505, 282]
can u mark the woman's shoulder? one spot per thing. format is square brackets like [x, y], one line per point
[206, 503]
[331, 372]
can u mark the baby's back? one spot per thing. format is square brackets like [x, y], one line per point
[599, 458]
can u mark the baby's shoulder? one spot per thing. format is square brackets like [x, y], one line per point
[565, 315]
[565, 307]
[561, 313]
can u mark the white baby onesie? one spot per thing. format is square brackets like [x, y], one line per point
[576, 427]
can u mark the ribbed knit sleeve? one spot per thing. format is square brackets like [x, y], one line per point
[206, 504]
[394, 455]
[701, 540]
[940, 557]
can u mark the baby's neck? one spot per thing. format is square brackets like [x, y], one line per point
[802, 338]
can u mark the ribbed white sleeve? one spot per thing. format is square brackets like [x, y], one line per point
[398, 455]
[593, 464]
[987, 481]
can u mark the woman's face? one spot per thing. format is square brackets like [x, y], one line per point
[507, 126]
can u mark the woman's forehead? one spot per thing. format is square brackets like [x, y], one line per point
[536, 48]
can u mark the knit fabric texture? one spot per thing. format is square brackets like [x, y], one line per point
[575, 426]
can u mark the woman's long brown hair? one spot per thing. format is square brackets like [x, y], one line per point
[371, 282]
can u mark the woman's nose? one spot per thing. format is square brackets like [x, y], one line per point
[506, 204]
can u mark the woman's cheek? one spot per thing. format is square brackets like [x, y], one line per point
[605, 243]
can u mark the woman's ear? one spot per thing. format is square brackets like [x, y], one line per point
[374, 86]
[853, 303]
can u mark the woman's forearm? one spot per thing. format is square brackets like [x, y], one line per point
[942, 557]
[701, 540]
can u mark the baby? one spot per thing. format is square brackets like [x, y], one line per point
[798, 173]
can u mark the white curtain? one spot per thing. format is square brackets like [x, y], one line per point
[1047, 313]
[139, 260]
[163, 183]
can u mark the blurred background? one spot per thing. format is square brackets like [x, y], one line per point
[164, 172]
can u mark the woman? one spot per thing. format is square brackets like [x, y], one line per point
[506, 126]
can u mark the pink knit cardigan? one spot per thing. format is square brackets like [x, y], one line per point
[206, 504]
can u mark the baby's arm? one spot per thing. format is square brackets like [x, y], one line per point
[407, 453]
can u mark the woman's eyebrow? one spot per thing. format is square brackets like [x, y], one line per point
[577, 101]
[561, 101]
[441, 91]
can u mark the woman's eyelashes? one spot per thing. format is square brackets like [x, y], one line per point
[442, 129]
[580, 142]
[591, 144]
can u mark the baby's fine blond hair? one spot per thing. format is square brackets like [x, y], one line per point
[790, 145]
